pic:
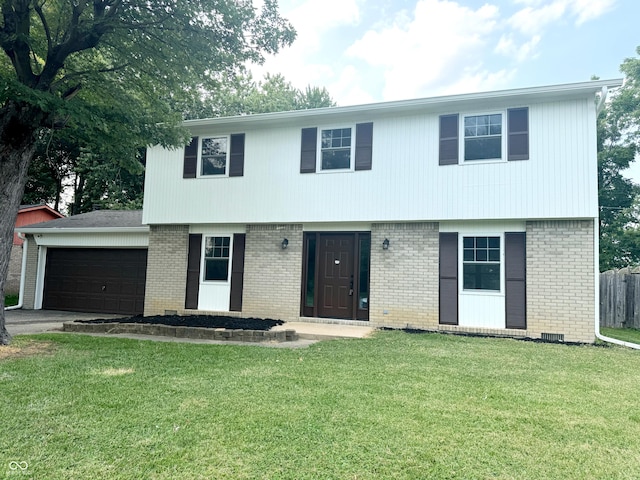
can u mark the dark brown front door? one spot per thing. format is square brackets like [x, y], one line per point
[335, 292]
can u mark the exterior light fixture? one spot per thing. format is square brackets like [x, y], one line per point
[385, 244]
[285, 243]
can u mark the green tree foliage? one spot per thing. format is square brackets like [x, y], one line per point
[618, 137]
[118, 72]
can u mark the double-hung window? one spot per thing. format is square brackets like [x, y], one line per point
[214, 155]
[481, 263]
[335, 148]
[483, 137]
[216, 258]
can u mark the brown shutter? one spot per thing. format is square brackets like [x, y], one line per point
[236, 157]
[237, 272]
[190, 159]
[518, 133]
[193, 271]
[448, 139]
[308, 150]
[449, 278]
[515, 279]
[364, 144]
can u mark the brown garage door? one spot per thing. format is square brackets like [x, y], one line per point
[95, 280]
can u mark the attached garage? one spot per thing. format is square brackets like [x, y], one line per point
[102, 280]
[92, 262]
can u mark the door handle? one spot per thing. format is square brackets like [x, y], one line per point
[351, 287]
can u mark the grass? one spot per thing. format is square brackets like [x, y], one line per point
[10, 300]
[392, 406]
[624, 334]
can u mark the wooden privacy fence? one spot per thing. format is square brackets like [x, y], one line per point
[620, 298]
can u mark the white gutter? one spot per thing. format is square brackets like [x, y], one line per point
[23, 272]
[599, 336]
[603, 99]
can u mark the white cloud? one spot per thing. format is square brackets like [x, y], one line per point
[507, 46]
[416, 52]
[536, 16]
[348, 88]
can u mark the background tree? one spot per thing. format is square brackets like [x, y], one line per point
[618, 136]
[65, 163]
[114, 71]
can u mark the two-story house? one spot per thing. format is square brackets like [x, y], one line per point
[467, 213]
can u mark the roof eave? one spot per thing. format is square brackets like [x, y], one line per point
[85, 230]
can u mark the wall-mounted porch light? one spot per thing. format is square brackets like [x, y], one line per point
[285, 243]
[385, 244]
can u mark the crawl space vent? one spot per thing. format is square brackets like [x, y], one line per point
[553, 337]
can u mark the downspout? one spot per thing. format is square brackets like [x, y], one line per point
[603, 99]
[596, 262]
[23, 273]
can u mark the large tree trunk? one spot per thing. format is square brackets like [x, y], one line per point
[19, 124]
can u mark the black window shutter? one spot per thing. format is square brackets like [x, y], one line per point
[190, 159]
[237, 272]
[518, 133]
[193, 271]
[448, 140]
[308, 150]
[236, 157]
[448, 278]
[364, 145]
[515, 279]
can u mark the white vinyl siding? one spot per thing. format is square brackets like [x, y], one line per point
[406, 183]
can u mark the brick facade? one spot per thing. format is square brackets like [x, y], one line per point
[166, 269]
[12, 285]
[272, 275]
[561, 279]
[31, 274]
[404, 278]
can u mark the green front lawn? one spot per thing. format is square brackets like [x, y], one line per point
[392, 406]
[624, 334]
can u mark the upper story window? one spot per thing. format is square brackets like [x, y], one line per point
[335, 146]
[213, 156]
[483, 137]
[219, 156]
[216, 258]
[339, 149]
[488, 136]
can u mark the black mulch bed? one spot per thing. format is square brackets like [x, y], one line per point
[206, 321]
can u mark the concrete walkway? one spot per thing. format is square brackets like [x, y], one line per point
[21, 322]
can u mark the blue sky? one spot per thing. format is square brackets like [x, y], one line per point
[367, 51]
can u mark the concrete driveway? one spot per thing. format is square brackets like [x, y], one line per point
[21, 322]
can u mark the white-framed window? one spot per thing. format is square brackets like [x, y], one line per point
[483, 136]
[216, 259]
[481, 263]
[214, 156]
[336, 148]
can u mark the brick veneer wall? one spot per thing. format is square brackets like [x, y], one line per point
[166, 269]
[561, 279]
[28, 302]
[404, 278]
[272, 276]
[12, 286]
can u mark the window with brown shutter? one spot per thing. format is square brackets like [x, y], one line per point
[190, 159]
[448, 140]
[448, 275]
[364, 146]
[237, 272]
[308, 148]
[518, 133]
[193, 271]
[515, 279]
[236, 157]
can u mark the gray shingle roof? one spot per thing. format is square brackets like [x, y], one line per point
[96, 219]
